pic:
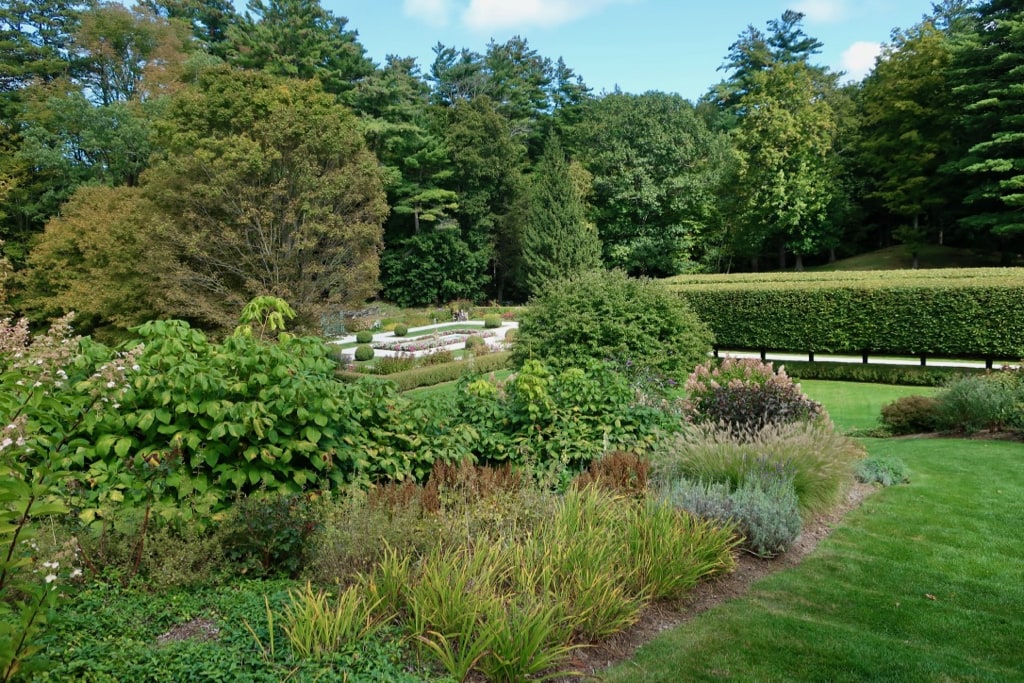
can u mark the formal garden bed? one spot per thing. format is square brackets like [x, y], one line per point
[258, 519]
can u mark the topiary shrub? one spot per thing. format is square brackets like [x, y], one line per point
[910, 415]
[364, 352]
[746, 395]
[883, 470]
[475, 342]
[510, 336]
[401, 330]
[364, 336]
[492, 321]
[602, 315]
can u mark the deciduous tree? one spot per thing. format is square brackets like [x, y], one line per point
[271, 191]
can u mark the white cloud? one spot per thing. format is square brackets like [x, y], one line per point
[484, 15]
[823, 11]
[433, 12]
[859, 59]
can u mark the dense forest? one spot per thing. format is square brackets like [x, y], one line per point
[178, 158]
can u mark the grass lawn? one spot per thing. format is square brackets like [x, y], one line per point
[446, 388]
[922, 583]
[856, 406]
[929, 256]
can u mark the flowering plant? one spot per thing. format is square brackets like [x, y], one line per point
[51, 386]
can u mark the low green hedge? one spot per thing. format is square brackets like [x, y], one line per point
[977, 312]
[907, 375]
[436, 374]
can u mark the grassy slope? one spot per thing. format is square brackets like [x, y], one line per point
[855, 406]
[899, 257]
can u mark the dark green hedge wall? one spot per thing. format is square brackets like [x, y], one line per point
[956, 312]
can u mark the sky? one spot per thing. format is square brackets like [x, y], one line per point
[673, 46]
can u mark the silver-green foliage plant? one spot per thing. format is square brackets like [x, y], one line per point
[764, 507]
[972, 403]
[883, 470]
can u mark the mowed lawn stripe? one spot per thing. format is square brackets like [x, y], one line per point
[924, 582]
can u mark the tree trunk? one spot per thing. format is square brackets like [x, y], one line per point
[831, 254]
[799, 266]
[782, 257]
[755, 262]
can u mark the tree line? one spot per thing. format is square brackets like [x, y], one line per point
[178, 158]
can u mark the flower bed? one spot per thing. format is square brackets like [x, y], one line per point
[429, 342]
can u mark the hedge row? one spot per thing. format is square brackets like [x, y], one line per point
[907, 375]
[976, 313]
[436, 374]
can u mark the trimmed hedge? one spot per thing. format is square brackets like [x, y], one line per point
[907, 375]
[436, 374]
[968, 312]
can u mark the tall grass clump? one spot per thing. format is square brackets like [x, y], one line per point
[819, 459]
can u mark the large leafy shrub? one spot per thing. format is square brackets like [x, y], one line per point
[557, 420]
[746, 395]
[604, 316]
[244, 414]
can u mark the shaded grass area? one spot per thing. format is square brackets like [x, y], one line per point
[922, 583]
[855, 406]
[900, 256]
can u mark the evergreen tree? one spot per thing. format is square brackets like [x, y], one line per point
[299, 39]
[986, 76]
[557, 239]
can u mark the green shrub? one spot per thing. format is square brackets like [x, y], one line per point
[364, 352]
[510, 336]
[603, 316]
[388, 365]
[401, 329]
[885, 470]
[438, 357]
[475, 342]
[877, 373]
[364, 336]
[492, 320]
[429, 375]
[911, 415]
[970, 404]
[746, 395]
[268, 533]
[819, 459]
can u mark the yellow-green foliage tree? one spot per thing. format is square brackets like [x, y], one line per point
[270, 190]
[104, 257]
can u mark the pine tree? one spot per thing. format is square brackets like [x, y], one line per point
[557, 239]
[987, 70]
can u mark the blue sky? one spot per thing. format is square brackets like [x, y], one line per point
[668, 45]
